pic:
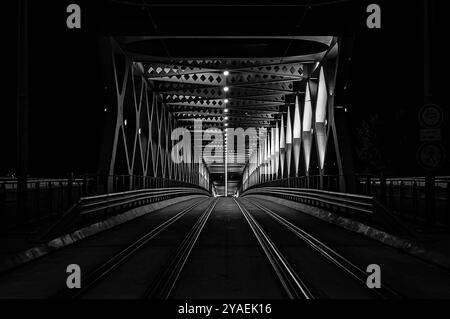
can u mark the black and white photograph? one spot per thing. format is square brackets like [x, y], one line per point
[225, 158]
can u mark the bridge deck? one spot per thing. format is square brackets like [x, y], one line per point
[226, 248]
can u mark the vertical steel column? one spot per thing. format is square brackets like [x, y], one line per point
[277, 151]
[282, 148]
[297, 136]
[288, 143]
[269, 154]
[272, 154]
[320, 119]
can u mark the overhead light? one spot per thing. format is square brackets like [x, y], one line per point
[226, 124]
[226, 110]
[225, 118]
[139, 131]
[226, 88]
[105, 109]
[226, 73]
[125, 122]
[226, 100]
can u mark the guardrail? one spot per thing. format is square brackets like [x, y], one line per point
[362, 183]
[360, 207]
[88, 210]
[48, 198]
[406, 197]
[333, 200]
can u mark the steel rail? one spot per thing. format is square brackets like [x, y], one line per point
[330, 254]
[164, 284]
[108, 267]
[294, 287]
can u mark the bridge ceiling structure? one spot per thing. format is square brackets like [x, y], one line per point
[223, 65]
[227, 82]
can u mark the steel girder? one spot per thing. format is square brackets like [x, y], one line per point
[142, 126]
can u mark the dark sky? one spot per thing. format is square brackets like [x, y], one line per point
[66, 86]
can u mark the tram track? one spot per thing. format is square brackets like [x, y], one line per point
[220, 247]
[103, 271]
[292, 284]
[333, 257]
[165, 282]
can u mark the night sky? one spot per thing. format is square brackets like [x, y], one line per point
[385, 79]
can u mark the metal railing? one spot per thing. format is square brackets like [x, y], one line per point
[330, 182]
[48, 198]
[91, 209]
[336, 201]
[360, 207]
[405, 197]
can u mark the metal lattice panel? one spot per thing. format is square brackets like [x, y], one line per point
[142, 143]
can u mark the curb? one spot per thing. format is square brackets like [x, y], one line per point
[402, 244]
[68, 239]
